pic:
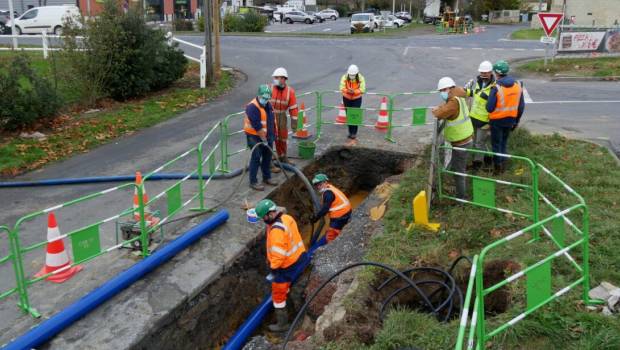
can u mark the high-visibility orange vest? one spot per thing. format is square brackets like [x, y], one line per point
[247, 125]
[283, 100]
[340, 206]
[507, 105]
[284, 243]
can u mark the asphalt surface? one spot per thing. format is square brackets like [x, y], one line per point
[576, 109]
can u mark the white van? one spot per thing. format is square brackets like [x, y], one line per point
[48, 18]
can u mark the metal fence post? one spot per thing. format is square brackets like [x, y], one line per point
[203, 68]
[388, 135]
[480, 311]
[586, 255]
[44, 43]
[18, 267]
[201, 196]
[224, 145]
[144, 239]
[319, 113]
[535, 200]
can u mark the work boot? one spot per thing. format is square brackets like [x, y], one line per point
[281, 324]
[270, 182]
[351, 142]
[257, 187]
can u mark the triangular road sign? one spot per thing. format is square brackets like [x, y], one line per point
[549, 21]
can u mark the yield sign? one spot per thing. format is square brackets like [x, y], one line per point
[549, 21]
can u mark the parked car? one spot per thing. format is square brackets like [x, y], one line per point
[392, 22]
[316, 16]
[405, 16]
[5, 16]
[431, 19]
[363, 22]
[329, 14]
[298, 16]
[379, 22]
[49, 18]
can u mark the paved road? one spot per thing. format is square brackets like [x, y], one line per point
[390, 65]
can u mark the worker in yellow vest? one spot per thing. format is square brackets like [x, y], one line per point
[336, 203]
[286, 254]
[505, 106]
[352, 87]
[458, 129]
[479, 90]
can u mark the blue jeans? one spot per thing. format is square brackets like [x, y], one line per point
[499, 139]
[339, 223]
[261, 157]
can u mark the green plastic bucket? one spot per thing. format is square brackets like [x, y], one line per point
[306, 149]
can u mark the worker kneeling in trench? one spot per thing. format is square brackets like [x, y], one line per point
[336, 203]
[286, 254]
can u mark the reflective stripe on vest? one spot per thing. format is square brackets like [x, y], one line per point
[461, 127]
[247, 125]
[479, 105]
[341, 205]
[278, 105]
[281, 251]
[507, 105]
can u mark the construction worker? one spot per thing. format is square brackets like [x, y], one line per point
[286, 255]
[458, 129]
[284, 101]
[479, 89]
[259, 126]
[335, 202]
[505, 106]
[352, 87]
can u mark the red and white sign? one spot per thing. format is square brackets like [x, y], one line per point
[549, 21]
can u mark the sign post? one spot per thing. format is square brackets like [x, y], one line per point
[549, 22]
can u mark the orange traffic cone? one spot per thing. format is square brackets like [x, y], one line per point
[149, 218]
[342, 115]
[383, 121]
[302, 133]
[56, 258]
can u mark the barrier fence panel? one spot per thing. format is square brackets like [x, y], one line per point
[410, 109]
[210, 160]
[466, 303]
[7, 247]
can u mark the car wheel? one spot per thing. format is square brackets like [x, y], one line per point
[376, 26]
[308, 21]
[18, 30]
[352, 31]
[289, 21]
[2, 28]
[334, 18]
[396, 24]
[58, 30]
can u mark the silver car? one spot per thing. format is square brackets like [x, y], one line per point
[298, 16]
[329, 14]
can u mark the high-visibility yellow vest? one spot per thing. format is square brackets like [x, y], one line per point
[459, 128]
[479, 105]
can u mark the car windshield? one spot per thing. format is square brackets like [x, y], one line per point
[360, 18]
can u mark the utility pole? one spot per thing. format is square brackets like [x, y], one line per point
[12, 17]
[208, 13]
[393, 6]
[217, 64]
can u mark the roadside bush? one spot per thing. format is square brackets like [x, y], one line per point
[251, 21]
[343, 10]
[201, 24]
[120, 56]
[183, 25]
[26, 96]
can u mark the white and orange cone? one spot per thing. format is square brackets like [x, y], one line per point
[342, 115]
[383, 121]
[149, 218]
[56, 258]
[302, 133]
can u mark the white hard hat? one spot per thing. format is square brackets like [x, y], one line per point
[445, 82]
[280, 72]
[353, 70]
[485, 67]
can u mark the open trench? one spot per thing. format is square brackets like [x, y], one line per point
[207, 320]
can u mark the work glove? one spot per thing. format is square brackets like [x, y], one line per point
[484, 96]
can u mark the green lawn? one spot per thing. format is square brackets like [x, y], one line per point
[76, 131]
[528, 34]
[598, 67]
[466, 229]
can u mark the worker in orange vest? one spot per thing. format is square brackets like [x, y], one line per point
[283, 101]
[505, 105]
[352, 87]
[286, 254]
[335, 203]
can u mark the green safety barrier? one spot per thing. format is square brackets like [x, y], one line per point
[538, 286]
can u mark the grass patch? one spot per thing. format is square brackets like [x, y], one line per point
[78, 132]
[590, 170]
[598, 67]
[528, 34]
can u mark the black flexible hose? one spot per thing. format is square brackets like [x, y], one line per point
[336, 274]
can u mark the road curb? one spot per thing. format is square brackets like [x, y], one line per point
[587, 78]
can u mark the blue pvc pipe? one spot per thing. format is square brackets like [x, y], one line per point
[238, 340]
[49, 328]
[115, 178]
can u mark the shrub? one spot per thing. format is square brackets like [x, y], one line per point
[26, 97]
[343, 10]
[122, 57]
[183, 25]
[251, 21]
[201, 24]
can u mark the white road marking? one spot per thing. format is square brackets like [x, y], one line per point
[456, 48]
[405, 51]
[476, 48]
[497, 48]
[327, 29]
[526, 96]
[539, 49]
[435, 47]
[519, 49]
